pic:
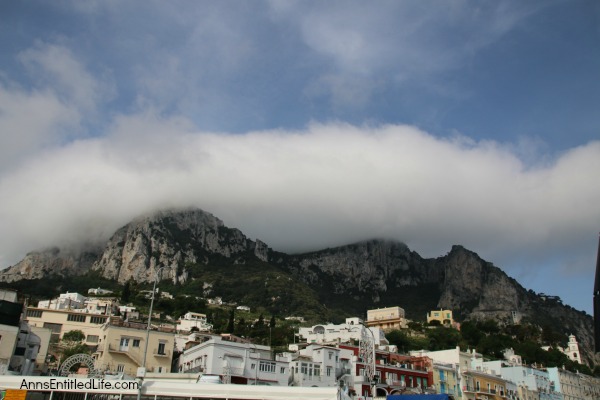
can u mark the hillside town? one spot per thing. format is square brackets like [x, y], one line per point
[354, 356]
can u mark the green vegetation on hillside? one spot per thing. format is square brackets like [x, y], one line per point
[490, 339]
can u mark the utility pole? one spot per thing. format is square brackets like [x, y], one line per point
[143, 375]
[597, 303]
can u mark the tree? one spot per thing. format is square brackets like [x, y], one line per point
[443, 338]
[126, 293]
[72, 343]
[231, 323]
[75, 336]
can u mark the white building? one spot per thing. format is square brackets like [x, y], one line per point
[193, 320]
[129, 313]
[65, 301]
[342, 333]
[571, 351]
[536, 380]
[568, 383]
[20, 346]
[101, 306]
[99, 291]
[461, 361]
[316, 365]
[235, 362]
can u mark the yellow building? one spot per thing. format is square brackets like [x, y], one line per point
[478, 385]
[443, 316]
[62, 321]
[121, 349]
[386, 318]
[446, 379]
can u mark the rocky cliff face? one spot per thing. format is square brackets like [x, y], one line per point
[375, 273]
[65, 261]
[171, 240]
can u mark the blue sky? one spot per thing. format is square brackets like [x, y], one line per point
[310, 124]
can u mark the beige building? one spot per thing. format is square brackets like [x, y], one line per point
[61, 321]
[121, 349]
[480, 385]
[443, 316]
[8, 342]
[387, 318]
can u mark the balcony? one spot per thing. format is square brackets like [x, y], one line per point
[471, 389]
[161, 353]
[134, 353]
[339, 372]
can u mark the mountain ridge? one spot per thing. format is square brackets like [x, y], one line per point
[193, 247]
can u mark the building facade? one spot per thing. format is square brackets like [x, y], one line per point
[341, 333]
[444, 317]
[236, 362]
[122, 349]
[64, 320]
[389, 318]
[446, 379]
[479, 385]
[568, 384]
[192, 320]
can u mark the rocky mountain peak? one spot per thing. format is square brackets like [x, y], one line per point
[171, 239]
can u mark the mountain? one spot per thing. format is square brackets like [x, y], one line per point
[198, 253]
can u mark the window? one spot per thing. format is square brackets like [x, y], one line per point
[55, 329]
[328, 371]
[317, 370]
[266, 366]
[330, 355]
[304, 368]
[92, 339]
[161, 348]
[120, 367]
[97, 320]
[34, 313]
[136, 343]
[76, 318]
[282, 370]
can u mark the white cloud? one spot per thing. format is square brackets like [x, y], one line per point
[402, 41]
[52, 109]
[325, 186]
[30, 120]
[54, 65]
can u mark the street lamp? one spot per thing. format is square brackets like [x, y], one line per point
[367, 352]
[157, 274]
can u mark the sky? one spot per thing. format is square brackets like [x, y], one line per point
[310, 124]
